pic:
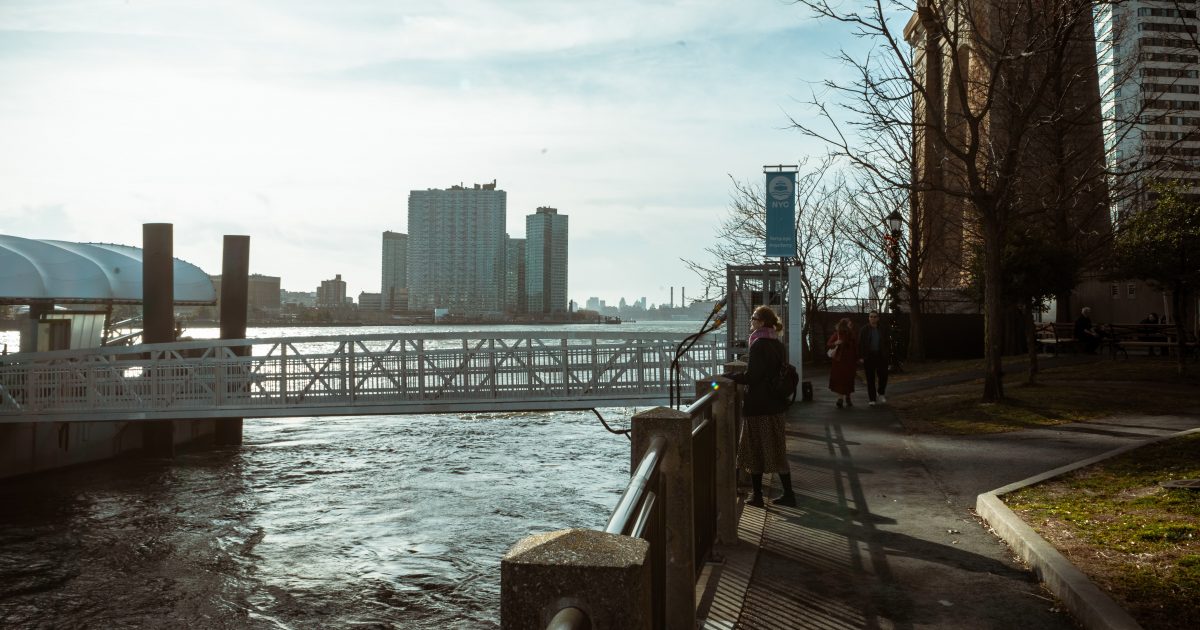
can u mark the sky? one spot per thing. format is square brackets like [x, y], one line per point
[304, 124]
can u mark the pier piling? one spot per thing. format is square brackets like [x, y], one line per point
[235, 281]
[158, 318]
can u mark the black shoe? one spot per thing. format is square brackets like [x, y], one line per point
[756, 501]
[839, 403]
[787, 500]
[849, 403]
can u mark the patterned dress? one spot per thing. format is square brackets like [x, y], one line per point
[762, 447]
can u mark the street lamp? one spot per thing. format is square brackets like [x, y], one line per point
[895, 222]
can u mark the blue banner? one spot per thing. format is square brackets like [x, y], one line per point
[781, 214]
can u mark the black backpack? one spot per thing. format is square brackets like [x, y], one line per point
[786, 383]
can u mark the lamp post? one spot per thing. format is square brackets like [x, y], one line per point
[894, 223]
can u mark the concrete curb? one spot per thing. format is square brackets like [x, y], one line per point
[1091, 606]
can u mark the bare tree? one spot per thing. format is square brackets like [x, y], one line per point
[830, 266]
[1004, 120]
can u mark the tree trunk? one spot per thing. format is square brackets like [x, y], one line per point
[916, 342]
[1031, 344]
[993, 312]
[1179, 305]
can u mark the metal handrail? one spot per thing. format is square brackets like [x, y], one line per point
[700, 403]
[632, 497]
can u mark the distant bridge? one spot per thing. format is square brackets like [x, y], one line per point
[350, 375]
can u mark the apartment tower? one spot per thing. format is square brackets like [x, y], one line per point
[456, 249]
[514, 282]
[394, 292]
[546, 261]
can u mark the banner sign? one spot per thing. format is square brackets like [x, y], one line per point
[781, 214]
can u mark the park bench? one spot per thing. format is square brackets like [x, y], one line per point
[1151, 336]
[1052, 336]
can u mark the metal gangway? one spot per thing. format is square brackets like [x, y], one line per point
[351, 375]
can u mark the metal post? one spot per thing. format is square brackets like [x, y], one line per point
[795, 316]
[675, 471]
[893, 298]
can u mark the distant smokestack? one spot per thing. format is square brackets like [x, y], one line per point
[672, 297]
[683, 296]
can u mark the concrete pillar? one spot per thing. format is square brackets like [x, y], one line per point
[235, 305]
[741, 476]
[605, 576]
[158, 318]
[675, 470]
[725, 418]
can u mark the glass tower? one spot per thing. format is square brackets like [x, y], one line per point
[546, 261]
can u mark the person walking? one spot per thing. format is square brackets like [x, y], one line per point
[842, 348]
[873, 345]
[763, 445]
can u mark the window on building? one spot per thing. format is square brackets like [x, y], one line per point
[1116, 291]
[1131, 291]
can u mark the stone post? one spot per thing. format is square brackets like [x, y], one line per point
[741, 477]
[725, 418]
[158, 318]
[605, 576]
[235, 280]
[675, 471]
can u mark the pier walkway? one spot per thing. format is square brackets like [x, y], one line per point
[884, 536]
[352, 375]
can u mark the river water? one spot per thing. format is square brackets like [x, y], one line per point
[329, 522]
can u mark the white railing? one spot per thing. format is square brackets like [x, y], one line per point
[369, 374]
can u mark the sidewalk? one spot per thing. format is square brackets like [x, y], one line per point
[883, 535]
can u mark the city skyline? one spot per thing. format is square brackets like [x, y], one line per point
[305, 125]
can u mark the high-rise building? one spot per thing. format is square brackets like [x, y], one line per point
[987, 121]
[514, 282]
[546, 261]
[1150, 86]
[262, 292]
[332, 293]
[394, 292]
[456, 249]
[369, 301]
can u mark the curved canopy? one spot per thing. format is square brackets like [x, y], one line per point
[89, 273]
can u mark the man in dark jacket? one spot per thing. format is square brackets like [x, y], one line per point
[873, 351]
[1085, 333]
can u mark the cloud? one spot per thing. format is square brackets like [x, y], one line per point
[305, 124]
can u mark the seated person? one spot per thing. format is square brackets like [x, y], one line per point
[1148, 335]
[1088, 336]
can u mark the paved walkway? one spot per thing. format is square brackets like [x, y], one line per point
[884, 536]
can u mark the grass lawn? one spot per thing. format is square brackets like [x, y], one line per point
[1138, 541]
[1133, 538]
[1069, 392]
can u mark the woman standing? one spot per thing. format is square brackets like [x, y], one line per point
[842, 350]
[763, 445]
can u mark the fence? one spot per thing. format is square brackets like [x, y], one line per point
[367, 374]
[641, 570]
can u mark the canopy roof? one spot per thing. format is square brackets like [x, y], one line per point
[86, 273]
